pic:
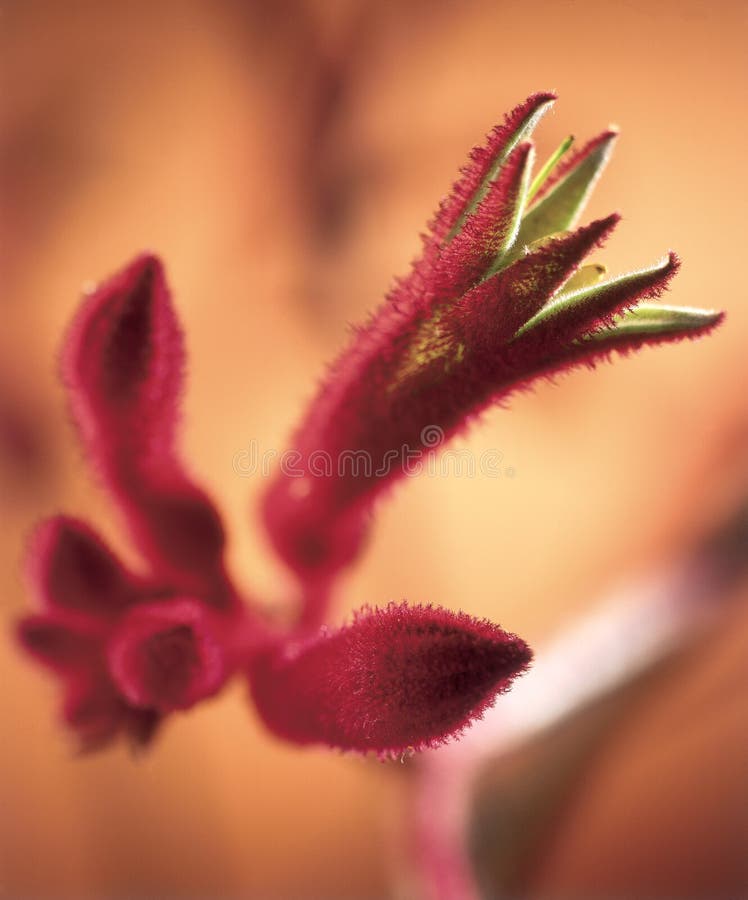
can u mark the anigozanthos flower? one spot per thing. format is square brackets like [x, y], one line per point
[499, 297]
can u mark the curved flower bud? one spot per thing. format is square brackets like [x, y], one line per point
[123, 363]
[167, 656]
[395, 678]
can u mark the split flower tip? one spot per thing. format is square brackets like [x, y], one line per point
[569, 315]
[561, 199]
[153, 659]
[593, 154]
[394, 679]
[494, 312]
[496, 299]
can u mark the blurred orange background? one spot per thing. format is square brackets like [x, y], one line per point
[282, 158]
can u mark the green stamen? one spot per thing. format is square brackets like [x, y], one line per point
[550, 165]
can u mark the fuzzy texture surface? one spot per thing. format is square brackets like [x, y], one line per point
[102, 631]
[399, 678]
[502, 294]
[123, 363]
[489, 306]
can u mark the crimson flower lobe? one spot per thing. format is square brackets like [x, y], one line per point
[395, 678]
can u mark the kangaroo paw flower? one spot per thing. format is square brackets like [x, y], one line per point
[501, 295]
[395, 678]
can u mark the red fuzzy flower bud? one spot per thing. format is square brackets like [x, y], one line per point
[123, 363]
[395, 678]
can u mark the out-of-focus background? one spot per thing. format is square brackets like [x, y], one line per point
[282, 157]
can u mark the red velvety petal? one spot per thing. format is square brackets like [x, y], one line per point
[55, 645]
[140, 726]
[98, 715]
[72, 570]
[488, 316]
[178, 529]
[590, 353]
[395, 678]
[482, 161]
[571, 320]
[488, 230]
[167, 655]
[123, 363]
[93, 710]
